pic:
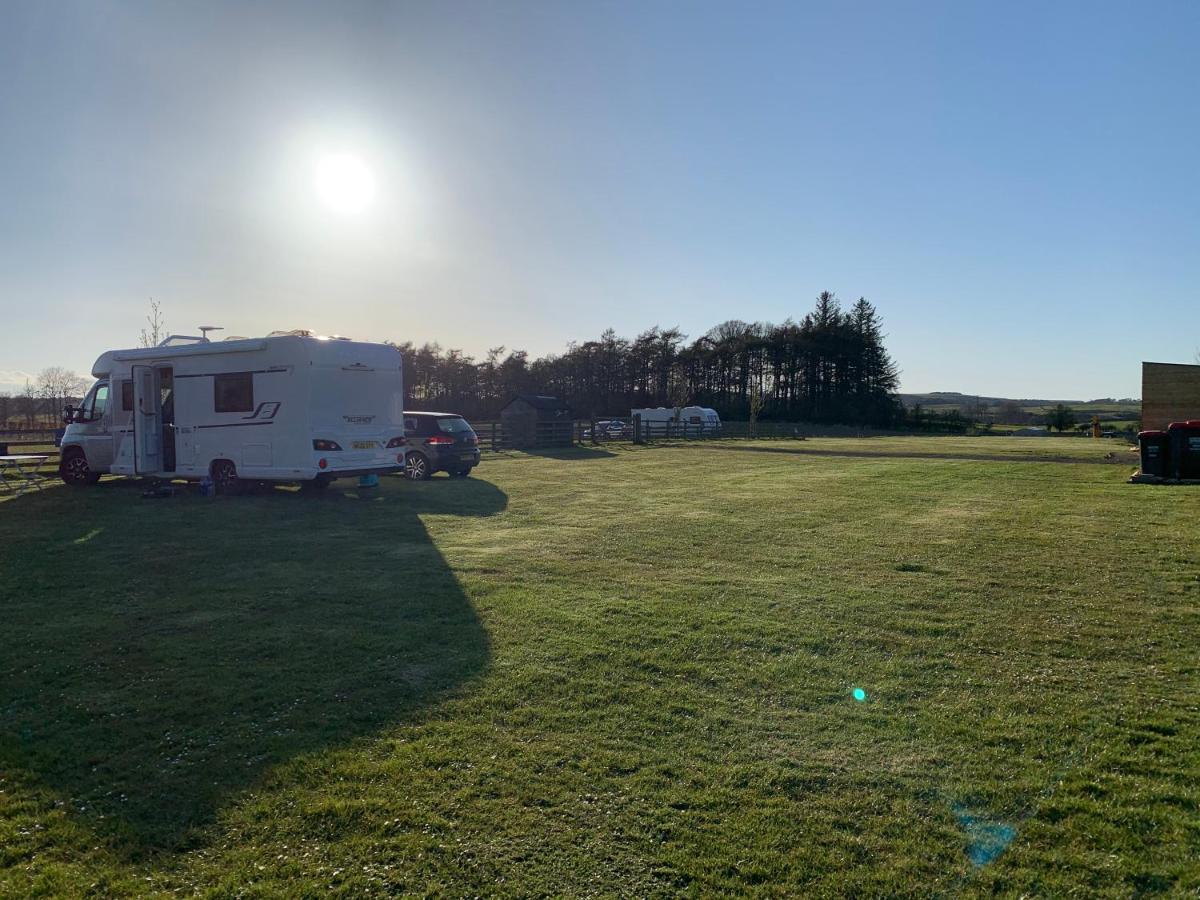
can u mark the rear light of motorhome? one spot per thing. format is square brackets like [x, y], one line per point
[439, 440]
[395, 442]
[322, 463]
[319, 444]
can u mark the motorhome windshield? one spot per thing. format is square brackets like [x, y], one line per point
[93, 405]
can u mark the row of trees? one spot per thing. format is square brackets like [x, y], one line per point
[831, 366]
[41, 402]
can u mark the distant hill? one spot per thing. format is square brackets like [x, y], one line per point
[1113, 413]
[955, 398]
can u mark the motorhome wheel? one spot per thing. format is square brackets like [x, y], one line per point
[224, 475]
[75, 471]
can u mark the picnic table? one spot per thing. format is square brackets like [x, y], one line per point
[19, 473]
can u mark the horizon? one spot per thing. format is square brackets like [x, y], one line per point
[1012, 188]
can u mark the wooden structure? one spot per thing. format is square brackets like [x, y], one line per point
[536, 420]
[1170, 393]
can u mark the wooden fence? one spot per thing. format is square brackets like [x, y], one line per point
[547, 436]
[494, 436]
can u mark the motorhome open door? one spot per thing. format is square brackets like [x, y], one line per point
[147, 421]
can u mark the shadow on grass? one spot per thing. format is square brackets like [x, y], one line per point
[576, 451]
[160, 656]
[909, 454]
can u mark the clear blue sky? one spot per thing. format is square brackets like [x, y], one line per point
[1013, 184]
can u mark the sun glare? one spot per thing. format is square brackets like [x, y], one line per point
[343, 183]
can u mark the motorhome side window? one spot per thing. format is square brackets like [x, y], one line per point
[126, 396]
[233, 392]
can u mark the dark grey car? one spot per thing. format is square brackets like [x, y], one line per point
[439, 442]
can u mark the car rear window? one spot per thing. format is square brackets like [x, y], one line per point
[453, 425]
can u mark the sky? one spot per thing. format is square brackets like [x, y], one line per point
[1014, 185]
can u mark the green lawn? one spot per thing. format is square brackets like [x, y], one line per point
[619, 672]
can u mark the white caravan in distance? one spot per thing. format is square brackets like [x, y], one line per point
[677, 416]
[287, 407]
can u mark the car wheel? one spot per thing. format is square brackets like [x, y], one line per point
[74, 470]
[320, 483]
[225, 477]
[416, 467]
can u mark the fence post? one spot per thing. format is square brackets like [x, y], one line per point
[494, 450]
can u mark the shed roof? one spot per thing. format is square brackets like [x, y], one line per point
[543, 403]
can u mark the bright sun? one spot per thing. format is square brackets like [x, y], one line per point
[343, 183]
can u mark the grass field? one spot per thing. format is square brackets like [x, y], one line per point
[612, 672]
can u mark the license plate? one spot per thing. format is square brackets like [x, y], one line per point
[365, 445]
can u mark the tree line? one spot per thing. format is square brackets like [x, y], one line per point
[40, 403]
[830, 366]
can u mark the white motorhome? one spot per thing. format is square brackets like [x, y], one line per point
[287, 407]
[673, 418]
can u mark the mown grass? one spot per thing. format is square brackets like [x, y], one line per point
[622, 671]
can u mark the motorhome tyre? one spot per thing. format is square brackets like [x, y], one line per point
[225, 477]
[320, 483]
[74, 469]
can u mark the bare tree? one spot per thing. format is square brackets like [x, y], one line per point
[1010, 413]
[679, 392]
[975, 410]
[27, 404]
[58, 385]
[6, 408]
[153, 336]
[756, 405]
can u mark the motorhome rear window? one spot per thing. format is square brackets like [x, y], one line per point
[233, 392]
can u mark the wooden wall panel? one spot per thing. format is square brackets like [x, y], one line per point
[1170, 393]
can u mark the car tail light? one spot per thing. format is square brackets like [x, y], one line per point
[439, 440]
[400, 458]
[471, 440]
[395, 442]
[320, 444]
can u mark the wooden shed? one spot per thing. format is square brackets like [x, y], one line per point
[536, 420]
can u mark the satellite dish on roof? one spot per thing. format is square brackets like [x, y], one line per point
[205, 329]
